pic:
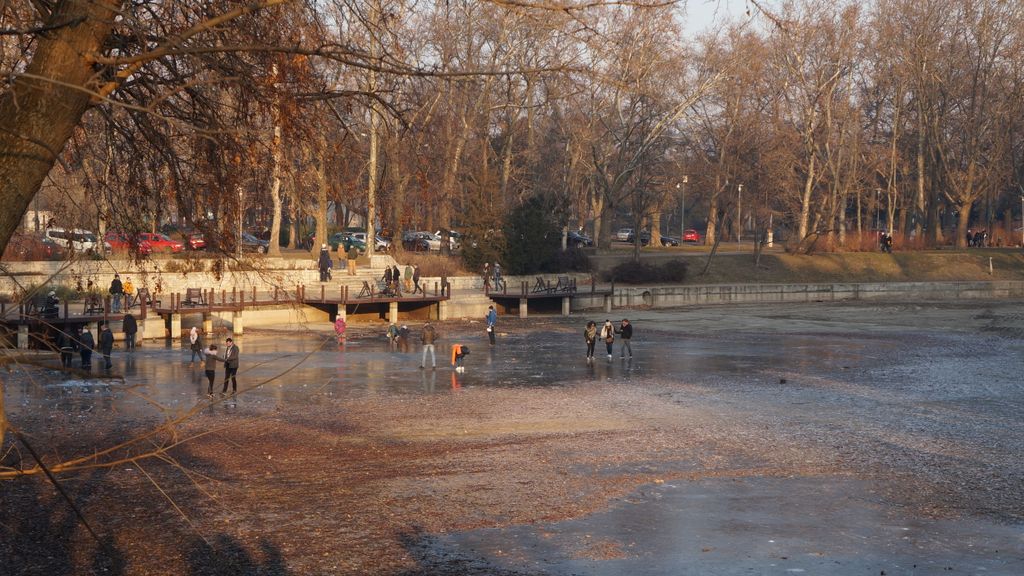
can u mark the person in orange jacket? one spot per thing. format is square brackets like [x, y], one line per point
[458, 353]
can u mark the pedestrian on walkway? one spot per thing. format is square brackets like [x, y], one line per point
[626, 329]
[129, 293]
[388, 278]
[116, 291]
[396, 279]
[230, 360]
[408, 278]
[210, 367]
[497, 276]
[130, 327]
[195, 344]
[487, 276]
[106, 344]
[428, 337]
[85, 345]
[608, 335]
[590, 335]
[324, 263]
[492, 321]
[416, 281]
[352, 254]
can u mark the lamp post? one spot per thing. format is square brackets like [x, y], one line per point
[1022, 220]
[739, 214]
[877, 190]
[682, 206]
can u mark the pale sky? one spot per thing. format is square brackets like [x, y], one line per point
[702, 14]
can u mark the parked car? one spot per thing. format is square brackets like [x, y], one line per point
[341, 238]
[380, 245]
[669, 241]
[120, 241]
[195, 241]
[454, 239]
[161, 242]
[77, 239]
[691, 236]
[624, 234]
[27, 247]
[577, 240]
[421, 241]
[251, 243]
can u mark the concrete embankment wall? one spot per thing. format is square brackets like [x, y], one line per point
[670, 296]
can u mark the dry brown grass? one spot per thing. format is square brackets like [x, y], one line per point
[779, 267]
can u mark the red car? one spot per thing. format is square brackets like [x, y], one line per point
[195, 241]
[119, 241]
[691, 236]
[161, 243]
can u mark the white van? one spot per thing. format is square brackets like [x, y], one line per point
[77, 239]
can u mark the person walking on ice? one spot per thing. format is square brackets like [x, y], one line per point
[626, 329]
[608, 335]
[230, 360]
[210, 367]
[590, 335]
[428, 337]
[492, 321]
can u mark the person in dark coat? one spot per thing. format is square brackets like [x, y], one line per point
[325, 263]
[130, 327]
[106, 344]
[85, 345]
[626, 329]
[230, 359]
[116, 292]
[396, 279]
[416, 280]
[387, 279]
[66, 344]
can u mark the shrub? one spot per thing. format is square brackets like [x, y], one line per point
[643, 273]
[572, 260]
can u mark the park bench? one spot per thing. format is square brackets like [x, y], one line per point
[93, 304]
[565, 284]
[540, 286]
[194, 297]
[143, 295]
[366, 291]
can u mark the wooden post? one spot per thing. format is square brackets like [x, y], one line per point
[322, 292]
[254, 295]
[224, 297]
[65, 310]
[234, 294]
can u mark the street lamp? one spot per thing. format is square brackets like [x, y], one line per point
[682, 206]
[739, 214]
[877, 190]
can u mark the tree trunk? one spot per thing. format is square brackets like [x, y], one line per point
[37, 117]
[274, 248]
[805, 200]
[963, 221]
[656, 228]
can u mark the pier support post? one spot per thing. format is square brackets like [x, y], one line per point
[443, 310]
[393, 312]
[566, 305]
[23, 337]
[207, 323]
[522, 308]
[172, 325]
[608, 302]
[237, 326]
